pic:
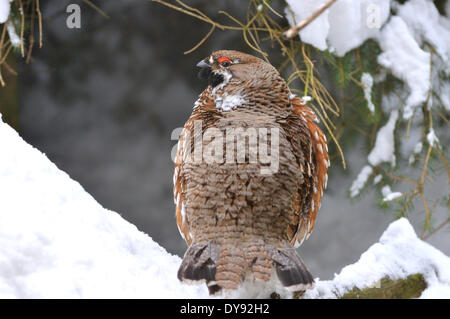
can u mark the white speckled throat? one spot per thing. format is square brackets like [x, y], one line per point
[226, 78]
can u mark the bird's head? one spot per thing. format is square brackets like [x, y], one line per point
[226, 67]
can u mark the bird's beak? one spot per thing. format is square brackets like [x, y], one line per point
[203, 64]
[205, 69]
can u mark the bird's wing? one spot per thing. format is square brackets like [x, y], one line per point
[310, 150]
[203, 109]
[183, 152]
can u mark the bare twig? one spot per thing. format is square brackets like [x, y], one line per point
[436, 229]
[296, 29]
[93, 6]
[2, 39]
[22, 28]
[402, 179]
[424, 174]
[272, 9]
[201, 41]
[9, 68]
[5, 56]
[38, 10]
[31, 37]
[442, 116]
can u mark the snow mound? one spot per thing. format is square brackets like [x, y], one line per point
[56, 241]
[398, 254]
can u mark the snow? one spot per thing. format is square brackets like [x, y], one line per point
[317, 31]
[342, 27]
[405, 41]
[383, 150]
[432, 138]
[56, 241]
[417, 150]
[404, 38]
[423, 18]
[367, 81]
[353, 22]
[377, 179]
[398, 254]
[407, 61]
[4, 10]
[388, 194]
[306, 99]
[229, 102]
[360, 181]
[15, 40]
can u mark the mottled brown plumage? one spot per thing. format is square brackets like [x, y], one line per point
[237, 221]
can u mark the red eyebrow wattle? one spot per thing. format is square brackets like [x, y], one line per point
[222, 59]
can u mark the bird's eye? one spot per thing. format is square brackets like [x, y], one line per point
[225, 62]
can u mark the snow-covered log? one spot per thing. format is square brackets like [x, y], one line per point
[398, 256]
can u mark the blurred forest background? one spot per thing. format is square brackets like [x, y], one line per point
[102, 101]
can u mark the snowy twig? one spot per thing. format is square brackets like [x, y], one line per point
[25, 13]
[296, 29]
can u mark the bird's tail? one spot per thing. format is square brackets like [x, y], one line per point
[226, 267]
[200, 264]
[291, 270]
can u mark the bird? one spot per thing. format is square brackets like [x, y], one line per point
[240, 217]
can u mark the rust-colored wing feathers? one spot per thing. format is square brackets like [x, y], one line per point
[185, 146]
[178, 196]
[314, 163]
